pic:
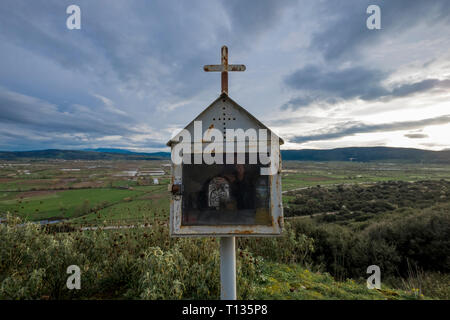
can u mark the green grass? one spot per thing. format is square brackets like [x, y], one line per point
[292, 282]
[64, 204]
[140, 209]
[306, 174]
[27, 184]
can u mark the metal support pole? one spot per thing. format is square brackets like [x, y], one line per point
[227, 268]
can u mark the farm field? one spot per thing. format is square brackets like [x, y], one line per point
[83, 191]
[298, 174]
[98, 191]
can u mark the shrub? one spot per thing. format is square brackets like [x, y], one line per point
[142, 263]
[290, 247]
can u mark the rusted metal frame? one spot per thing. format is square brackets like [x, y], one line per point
[276, 212]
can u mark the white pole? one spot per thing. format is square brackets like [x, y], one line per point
[227, 268]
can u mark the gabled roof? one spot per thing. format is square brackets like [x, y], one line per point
[237, 106]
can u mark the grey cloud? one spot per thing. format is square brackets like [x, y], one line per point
[416, 135]
[143, 55]
[346, 30]
[319, 85]
[294, 120]
[140, 54]
[30, 123]
[21, 138]
[352, 128]
[432, 145]
[421, 86]
[298, 102]
[307, 99]
[251, 18]
[20, 109]
[126, 43]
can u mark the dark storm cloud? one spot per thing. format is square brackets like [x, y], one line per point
[30, 123]
[330, 86]
[339, 39]
[250, 18]
[416, 135]
[346, 29]
[146, 49]
[130, 52]
[129, 42]
[133, 59]
[351, 128]
[432, 145]
[19, 109]
[319, 85]
[294, 120]
[421, 86]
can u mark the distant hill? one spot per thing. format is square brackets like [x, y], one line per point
[82, 155]
[110, 150]
[366, 154]
[357, 154]
[125, 151]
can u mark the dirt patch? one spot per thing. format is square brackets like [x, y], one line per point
[43, 182]
[31, 194]
[88, 184]
[153, 196]
[317, 179]
[289, 171]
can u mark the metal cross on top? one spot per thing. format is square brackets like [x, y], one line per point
[224, 68]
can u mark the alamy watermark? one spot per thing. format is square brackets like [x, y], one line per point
[74, 280]
[374, 20]
[74, 20]
[374, 281]
[211, 146]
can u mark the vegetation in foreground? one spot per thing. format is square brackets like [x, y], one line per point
[145, 263]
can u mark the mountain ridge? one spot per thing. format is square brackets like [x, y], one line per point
[358, 154]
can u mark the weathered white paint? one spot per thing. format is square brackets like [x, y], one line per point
[239, 119]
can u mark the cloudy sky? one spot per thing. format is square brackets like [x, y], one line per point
[133, 74]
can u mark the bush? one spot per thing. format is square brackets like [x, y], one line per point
[141, 263]
[418, 237]
[290, 247]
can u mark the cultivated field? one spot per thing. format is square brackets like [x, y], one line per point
[98, 191]
[84, 191]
